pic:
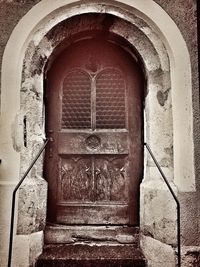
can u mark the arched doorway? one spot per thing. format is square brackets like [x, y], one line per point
[94, 112]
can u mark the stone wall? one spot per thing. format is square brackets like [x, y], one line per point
[184, 13]
[32, 218]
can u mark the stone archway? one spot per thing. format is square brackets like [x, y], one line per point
[165, 77]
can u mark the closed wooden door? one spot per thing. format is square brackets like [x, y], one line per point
[93, 164]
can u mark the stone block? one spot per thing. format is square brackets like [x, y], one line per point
[87, 255]
[159, 116]
[189, 223]
[32, 206]
[66, 234]
[26, 248]
[158, 212]
[36, 246]
[157, 253]
[20, 255]
[191, 256]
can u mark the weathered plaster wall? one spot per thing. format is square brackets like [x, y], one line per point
[184, 13]
[12, 11]
[10, 14]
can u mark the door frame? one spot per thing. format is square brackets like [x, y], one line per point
[130, 61]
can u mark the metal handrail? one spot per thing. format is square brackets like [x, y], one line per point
[14, 198]
[31, 166]
[177, 203]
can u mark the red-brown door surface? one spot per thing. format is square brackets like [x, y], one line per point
[94, 117]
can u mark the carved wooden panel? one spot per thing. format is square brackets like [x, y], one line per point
[94, 179]
[76, 179]
[111, 178]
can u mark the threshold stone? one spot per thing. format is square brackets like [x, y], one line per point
[91, 255]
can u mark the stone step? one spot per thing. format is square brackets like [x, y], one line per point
[91, 255]
[65, 234]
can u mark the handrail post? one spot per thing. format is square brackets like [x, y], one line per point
[176, 200]
[11, 228]
[14, 198]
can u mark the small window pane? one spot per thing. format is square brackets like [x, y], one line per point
[76, 101]
[110, 100]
